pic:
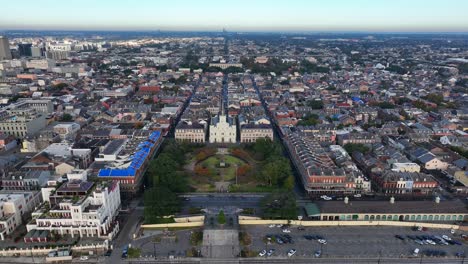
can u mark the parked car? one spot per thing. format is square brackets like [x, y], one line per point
[399, 237]
[286, 231]
[318, 253]
[84, 258]
[262, 253]
[291, 252]
[322, 241]
[270, 252]
[358, 195]
[416, 252]
[446, 237]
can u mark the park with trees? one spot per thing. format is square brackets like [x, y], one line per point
[181, 167]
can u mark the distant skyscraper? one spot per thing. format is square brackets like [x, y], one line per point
[37, 52]
[5, 53]
[25, 49]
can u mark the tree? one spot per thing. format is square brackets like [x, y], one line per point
[60, 86]
[279, 205]
[276, 171]
[159, 202]
[221, 218]
[289, 183]
[435, 98]
[243, 170]
[315, 104]
[67, 117]
[201, 170]
[309, 120]
[352, 147]
[265, 148]
[396, 69]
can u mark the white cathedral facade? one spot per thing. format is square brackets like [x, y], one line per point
[222, 129]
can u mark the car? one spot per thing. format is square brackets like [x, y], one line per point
[262, 253]
[270, 252]
[399, 237]
[357, 195]
[279, 240]
[458, 243]
[431, 242]
[326, 198]
[460, 254]
[288, 239]
[291, 252]
[271, 226]
[309, 237]
[450, 242]
[444, 242]
[452, 231]
[186, 199]
[418, 241]
[108, 253]
[420, 228]
[124, 255]
[322, 241]
[301, 228]
[84, 258]
[446, 237]
[411, 237]
[286, 231]
[416, 252]
[279, 225]
[318, 253]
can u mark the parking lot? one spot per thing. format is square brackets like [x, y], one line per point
[353, 242]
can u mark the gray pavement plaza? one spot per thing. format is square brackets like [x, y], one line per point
[352, 242]
[175, 243]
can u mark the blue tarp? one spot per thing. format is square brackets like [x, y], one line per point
[138, 158]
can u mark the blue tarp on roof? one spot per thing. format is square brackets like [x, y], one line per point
[116, 173]
[155, 136]
[138, 158]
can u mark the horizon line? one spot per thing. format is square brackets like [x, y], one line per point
[241, 31]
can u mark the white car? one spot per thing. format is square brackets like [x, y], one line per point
[322, 241]
[279, 225]
[357, 195]
[84, 258]
[291, 252]
[452, 231]
[286, 231]
[327, 198]
[445, 237]
[271, 226]
[262, 253]
[431, 242]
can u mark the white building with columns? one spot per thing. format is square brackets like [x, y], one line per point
[222, 129]
[79, 208]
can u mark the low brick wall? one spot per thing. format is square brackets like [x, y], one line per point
[174, 225]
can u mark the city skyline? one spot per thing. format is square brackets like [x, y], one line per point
[206, 15]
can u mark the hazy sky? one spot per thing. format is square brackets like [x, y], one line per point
[238, 15]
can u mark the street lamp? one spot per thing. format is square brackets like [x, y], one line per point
[236, 172]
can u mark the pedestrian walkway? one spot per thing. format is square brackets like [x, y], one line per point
[220, 243]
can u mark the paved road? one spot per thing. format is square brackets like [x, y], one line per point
[223, 200]
[125, 235]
